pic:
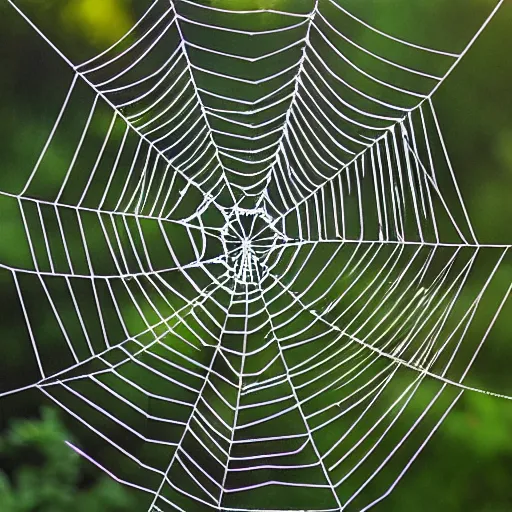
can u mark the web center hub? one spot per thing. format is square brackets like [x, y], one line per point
[248, 238]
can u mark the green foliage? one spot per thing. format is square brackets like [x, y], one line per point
[43, 474]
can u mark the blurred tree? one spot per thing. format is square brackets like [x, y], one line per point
[41, 473]
[100, 21]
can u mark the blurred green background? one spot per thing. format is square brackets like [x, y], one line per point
[468, 465]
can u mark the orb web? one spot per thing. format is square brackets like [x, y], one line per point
[253, 259]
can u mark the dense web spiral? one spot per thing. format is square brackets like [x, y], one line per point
[255, 256]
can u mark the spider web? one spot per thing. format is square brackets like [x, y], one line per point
[257, 260]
